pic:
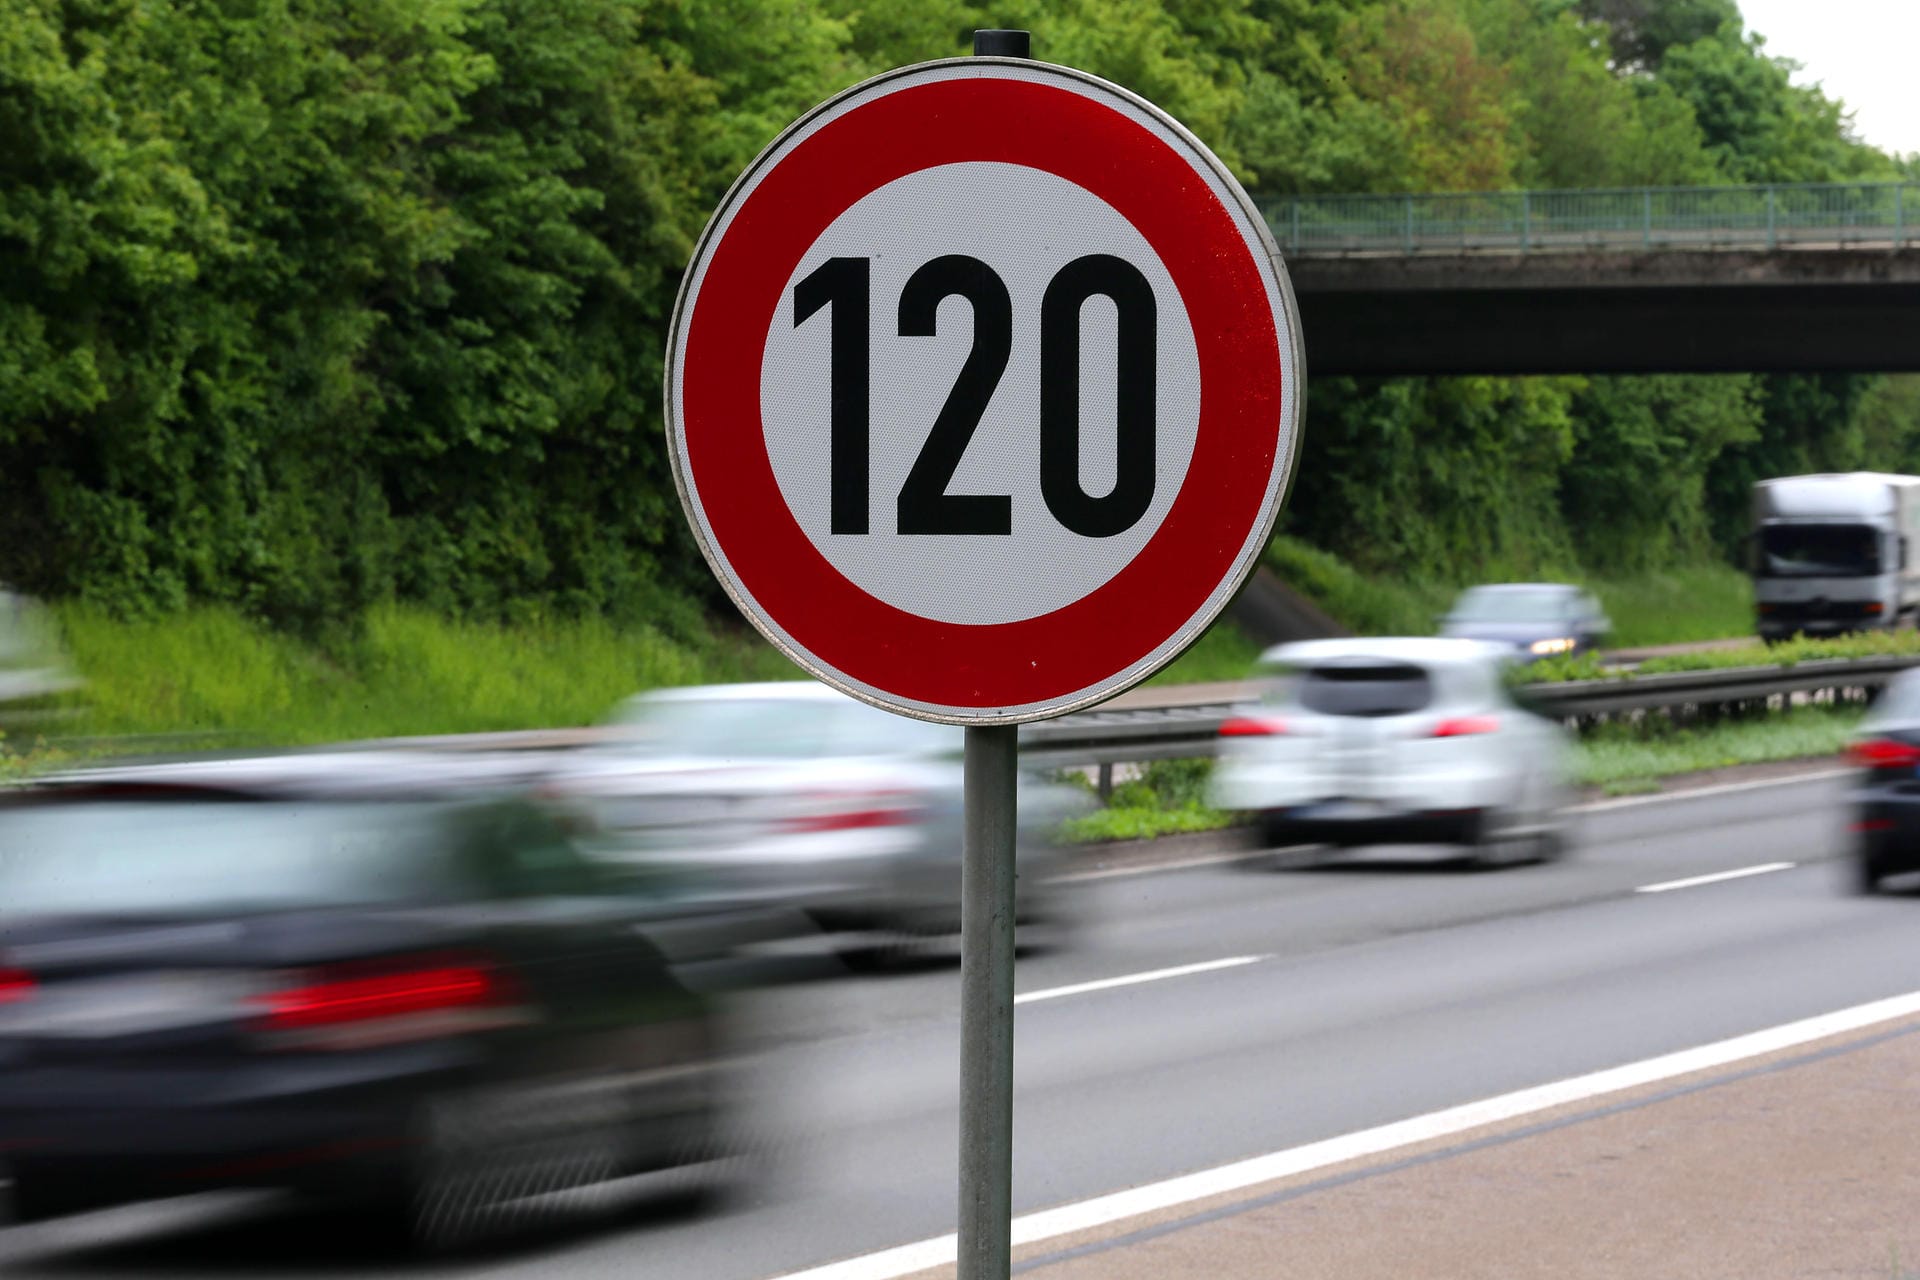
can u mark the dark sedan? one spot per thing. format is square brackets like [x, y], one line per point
[1534, 619]
[351, 976]
[1886, 795]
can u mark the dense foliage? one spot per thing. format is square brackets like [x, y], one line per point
[307, 305]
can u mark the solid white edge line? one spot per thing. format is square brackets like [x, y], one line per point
[889, 1264]
[1738, 873]
[1133, 979]
[1702, 793]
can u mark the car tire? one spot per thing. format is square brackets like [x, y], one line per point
[1868, 872]
[1493, 847]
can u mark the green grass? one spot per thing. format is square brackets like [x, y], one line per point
[1370, 605]
[1619, 757]
[401, 671]
[1699, 602]
[1168, 798]
[1867, 644]
[1224, 652]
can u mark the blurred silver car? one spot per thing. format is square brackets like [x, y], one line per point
[1395, 741]
[795, 794]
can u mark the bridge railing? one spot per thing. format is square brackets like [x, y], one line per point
[1626, 219]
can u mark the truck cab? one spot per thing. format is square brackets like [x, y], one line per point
[1834, 553]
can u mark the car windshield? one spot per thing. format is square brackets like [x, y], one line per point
[1818, 551]
[1365, 689]
[197, 856]
[774, 729]
[1512, 605]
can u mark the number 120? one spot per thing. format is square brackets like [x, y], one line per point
[844, 286]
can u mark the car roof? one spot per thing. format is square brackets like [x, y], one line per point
[1424, 650]
[1491, 587]
[333, 775]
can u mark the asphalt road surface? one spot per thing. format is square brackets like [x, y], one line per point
[1302, 1005]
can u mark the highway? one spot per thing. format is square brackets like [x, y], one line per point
[1268, 1009]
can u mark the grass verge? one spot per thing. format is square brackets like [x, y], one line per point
[1867, 644]
[1223, 652]
[1622, 759]
[399, 671]
[1697, 602]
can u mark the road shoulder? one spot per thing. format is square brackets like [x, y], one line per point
[1798, 1164]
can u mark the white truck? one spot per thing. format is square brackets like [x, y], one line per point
[1835, 553]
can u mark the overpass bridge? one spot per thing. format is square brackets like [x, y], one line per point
[1776, 278]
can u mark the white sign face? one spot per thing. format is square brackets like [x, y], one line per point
[983, 390]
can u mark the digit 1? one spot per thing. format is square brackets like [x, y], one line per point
[844, 284]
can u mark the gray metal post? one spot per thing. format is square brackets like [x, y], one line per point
[986, 1005]
[986, 957]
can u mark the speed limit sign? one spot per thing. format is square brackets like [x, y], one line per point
[984, 390]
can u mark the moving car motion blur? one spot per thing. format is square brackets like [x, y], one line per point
[1394, 741]
[1886, 792]
[1537, 619]
[795, 793]
[358, 976]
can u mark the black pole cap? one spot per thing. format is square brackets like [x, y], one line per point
[997, 43]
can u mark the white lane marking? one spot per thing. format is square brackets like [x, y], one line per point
[1738, 873]
[1702, 793]
[1131, 979]
[888, 1264]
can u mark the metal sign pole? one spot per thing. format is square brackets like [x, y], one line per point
[986, 1005]
[986, 958]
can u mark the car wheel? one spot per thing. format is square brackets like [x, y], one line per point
[1867, 874]
[1502, 841]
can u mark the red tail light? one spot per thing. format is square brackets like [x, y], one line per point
[1461, 726]
[852, 811]
[15, 984]
[1883, 753]
[356, 1007]
[1250, 727]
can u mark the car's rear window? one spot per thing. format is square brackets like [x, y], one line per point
[1372, 689]
[197, 857]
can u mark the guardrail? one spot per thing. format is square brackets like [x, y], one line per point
[1176, 730]
[1852, 214]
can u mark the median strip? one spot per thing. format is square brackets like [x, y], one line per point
[1134, 979]
[1739, 873]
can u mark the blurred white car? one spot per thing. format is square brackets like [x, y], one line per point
[794, 794]
[1394, 741]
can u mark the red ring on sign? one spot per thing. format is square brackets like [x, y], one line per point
[1225, 494]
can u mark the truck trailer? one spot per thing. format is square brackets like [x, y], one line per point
[1835, 553]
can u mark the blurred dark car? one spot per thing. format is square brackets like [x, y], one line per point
[354, 975]
[1535, 619]
[1885, 750]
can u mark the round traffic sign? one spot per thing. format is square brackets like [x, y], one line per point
[984, 390]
